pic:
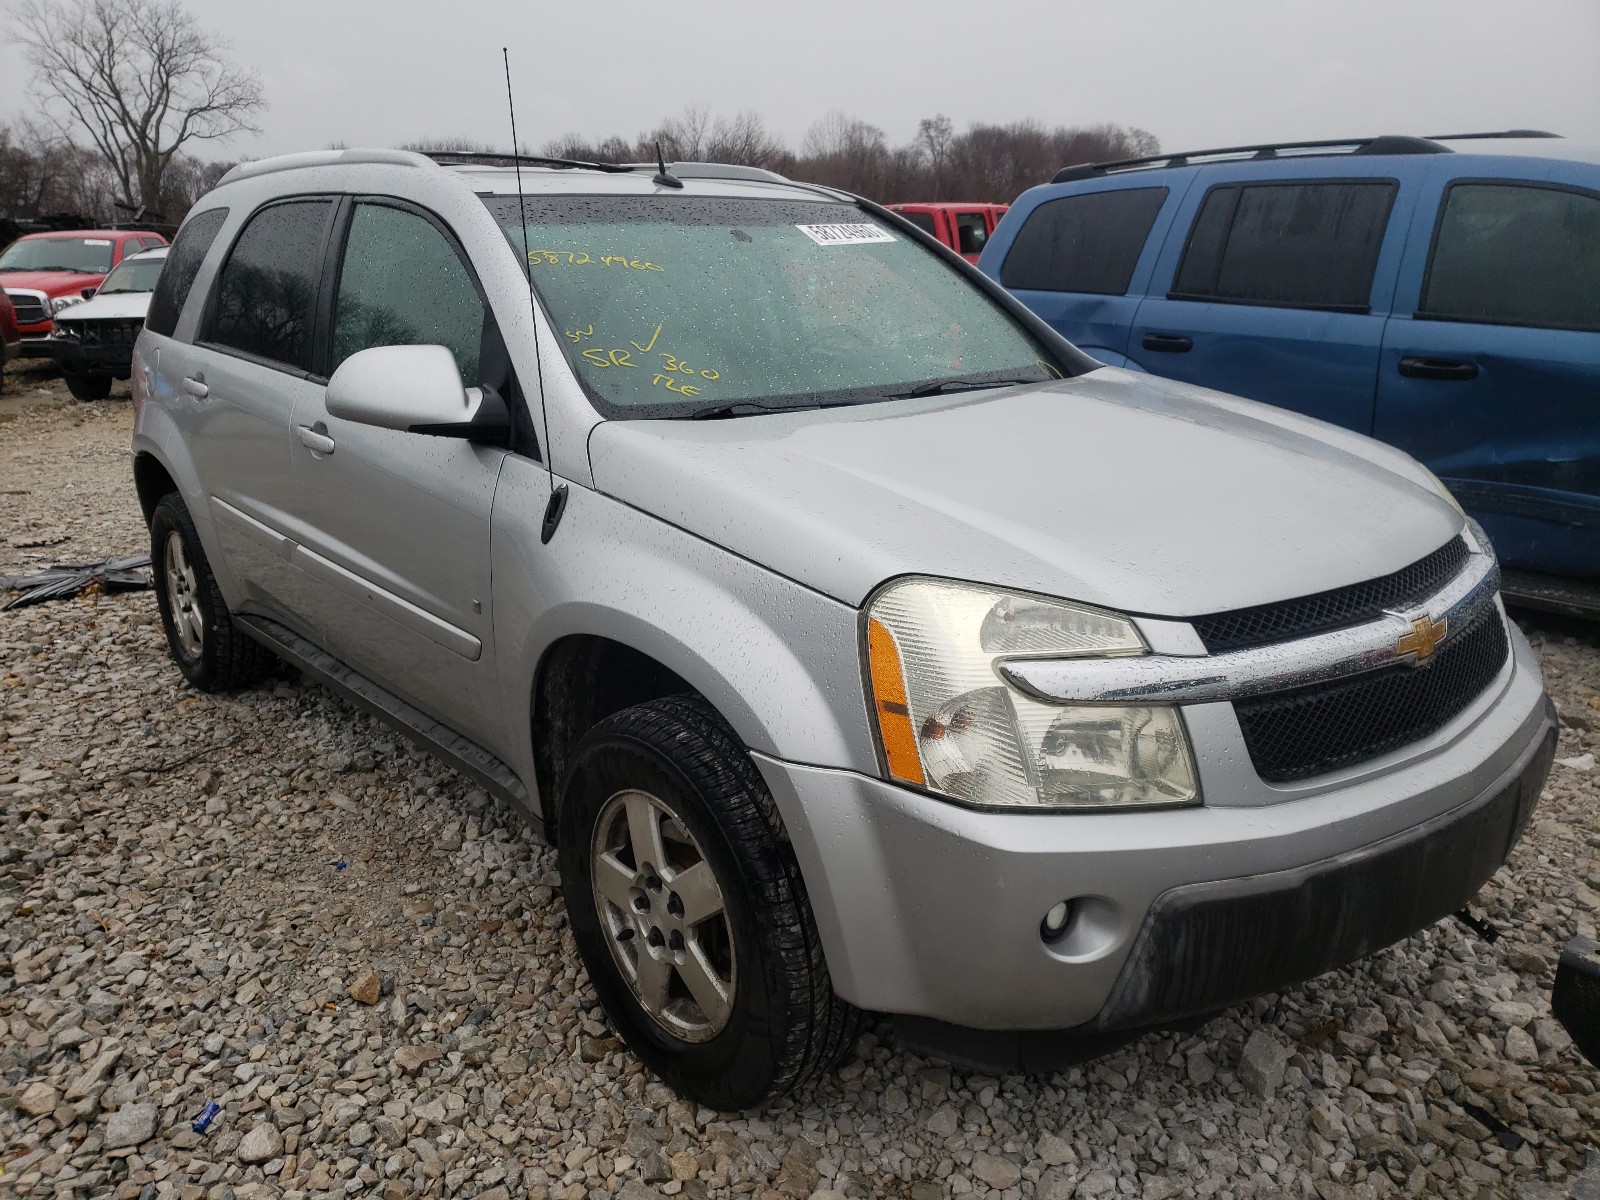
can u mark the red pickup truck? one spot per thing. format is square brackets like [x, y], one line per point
[42, 273]
[963, 227]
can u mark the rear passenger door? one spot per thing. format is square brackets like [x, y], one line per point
[972, 233]
[1081, 260]
[237, 387]
[1278, 292]
[1492, 378]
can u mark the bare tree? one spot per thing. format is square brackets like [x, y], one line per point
[141, 78]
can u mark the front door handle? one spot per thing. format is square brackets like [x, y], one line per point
[1415, 367]
[315, 439]
[1168, 343]
[195, 385]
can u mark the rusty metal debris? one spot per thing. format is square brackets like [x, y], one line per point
[63, 580]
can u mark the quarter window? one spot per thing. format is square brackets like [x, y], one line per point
[180, 267]
[1296, 245]
[1084, 243]
[267, 291]
[404, 284]
[1516, 254]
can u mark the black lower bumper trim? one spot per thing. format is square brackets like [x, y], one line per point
[1206, 946]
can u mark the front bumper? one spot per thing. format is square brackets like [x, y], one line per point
[930, 910]
[35, 344]
[70, 354]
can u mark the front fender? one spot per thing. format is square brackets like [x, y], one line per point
[779, 661]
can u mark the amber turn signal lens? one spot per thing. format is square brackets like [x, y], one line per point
[893, 709]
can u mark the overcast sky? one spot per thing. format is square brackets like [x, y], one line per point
[1195, 73]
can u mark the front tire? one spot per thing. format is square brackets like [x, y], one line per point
[689, 910]
[211, 651]
[87, 387]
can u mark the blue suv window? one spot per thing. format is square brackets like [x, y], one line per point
[1085, 243]
[1287, 245]
[1516, 254]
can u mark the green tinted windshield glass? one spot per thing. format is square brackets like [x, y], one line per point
[134, 275]
[679, 304]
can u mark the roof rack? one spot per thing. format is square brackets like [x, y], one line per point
[1500, 133]
[710, 170]
[476, 158]
[1383, 144]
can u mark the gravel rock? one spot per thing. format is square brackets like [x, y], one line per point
[175, 928]
[131, 1125]
[262, 1143]
[366, 988]
[1262, 1063]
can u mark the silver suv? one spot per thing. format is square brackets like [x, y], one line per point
[860, 644]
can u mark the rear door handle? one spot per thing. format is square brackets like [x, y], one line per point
[1168, 343]
[1414, 367]
[315, 440]
[195, 385]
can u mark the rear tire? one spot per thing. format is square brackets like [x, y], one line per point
[87, 387]
[211, 651]
[748, 1012]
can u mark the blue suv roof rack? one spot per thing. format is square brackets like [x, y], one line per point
[1383, 144]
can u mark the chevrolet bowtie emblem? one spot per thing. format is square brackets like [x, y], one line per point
[1424, 638]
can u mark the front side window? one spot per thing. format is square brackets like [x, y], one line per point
[923, 221]
[1516, 254]
[180, 267]
[1289, 245]
[971, 232]
[266, 293]
[669, 305]
[83, 256]
[133, 275]
[1085, 243]
[403, 284]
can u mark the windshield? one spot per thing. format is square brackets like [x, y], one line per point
[669, 306]
[88, 256]
[133, 275]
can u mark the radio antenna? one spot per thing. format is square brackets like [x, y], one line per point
[558, 495]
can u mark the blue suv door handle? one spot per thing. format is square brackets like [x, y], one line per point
[1168, 343]
[1437, 368]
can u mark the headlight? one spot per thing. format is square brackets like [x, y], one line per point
[64, 329]
[61, 302]
[948, 722]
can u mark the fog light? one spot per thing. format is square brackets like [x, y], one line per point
[1056, 919]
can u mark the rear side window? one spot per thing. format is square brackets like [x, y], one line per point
[1289, 245]
[1516, 254]
[181, 266]
[403, 284]
[266, 293]
[972, 232]
[922, 220]
[1084, 243]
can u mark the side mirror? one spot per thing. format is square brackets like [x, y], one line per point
[88, 293]
[415, 389]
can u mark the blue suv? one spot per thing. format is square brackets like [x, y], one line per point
[1441, 294]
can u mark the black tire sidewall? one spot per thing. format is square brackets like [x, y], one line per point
[87, 387]
[738, 1068]
[171, 516]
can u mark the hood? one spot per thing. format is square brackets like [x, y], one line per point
[117, 306]
[51, 283]
[1113, 488]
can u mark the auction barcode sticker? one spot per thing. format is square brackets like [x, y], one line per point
[845, 235]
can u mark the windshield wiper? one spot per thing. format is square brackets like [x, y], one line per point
[743, 408]
[940, 386]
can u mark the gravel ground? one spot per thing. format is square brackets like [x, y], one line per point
[268, 901]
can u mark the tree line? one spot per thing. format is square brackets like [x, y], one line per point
[984, 162]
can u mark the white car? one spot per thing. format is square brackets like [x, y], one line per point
[92, 342]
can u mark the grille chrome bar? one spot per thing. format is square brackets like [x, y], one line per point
[1258, 670]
